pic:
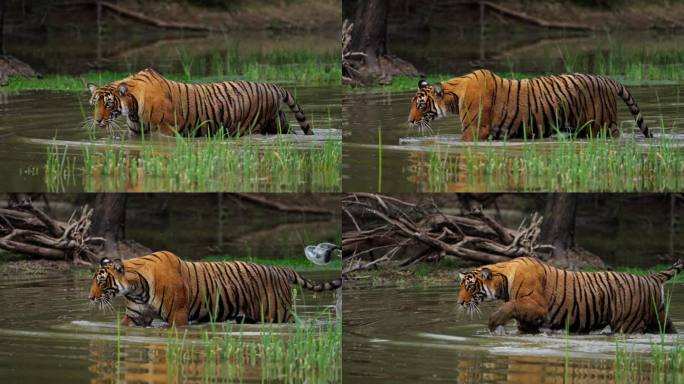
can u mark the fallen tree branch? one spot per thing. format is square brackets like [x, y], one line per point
[391, 232]
[28, 230]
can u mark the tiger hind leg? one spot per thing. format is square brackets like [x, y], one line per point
[656, 328]
[278, 124]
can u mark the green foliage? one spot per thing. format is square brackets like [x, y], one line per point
[296, 263]
[300, 67]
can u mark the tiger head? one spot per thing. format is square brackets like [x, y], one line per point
[479, 286]
[429, 103]
[108, 282]
[110, 102]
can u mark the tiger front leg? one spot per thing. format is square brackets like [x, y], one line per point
[179, 317]
[476, 125]
[138, 321]
[529, 314]
[137, 315]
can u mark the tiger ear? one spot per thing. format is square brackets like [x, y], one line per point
[118, 265]
[422, 83]
[105, 262]
[92, 87]
[486, 273]
[439, 91]
[123, 89]
[460, 278]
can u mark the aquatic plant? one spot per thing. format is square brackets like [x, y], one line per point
[570, 165]
[305, 352]
[215, 163]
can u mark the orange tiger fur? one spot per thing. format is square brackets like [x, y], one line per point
[150, 101]
[539, 295]
[163, 286]
[493, 107]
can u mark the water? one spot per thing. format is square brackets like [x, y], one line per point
[406, 154]
[415, 334]
[32, 121]
[50, 333]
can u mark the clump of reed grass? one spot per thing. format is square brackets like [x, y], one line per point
[215, 163]
[573, 165]
[305, 352]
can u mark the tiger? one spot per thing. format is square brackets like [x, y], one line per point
[490, 106]
[162, 286]
[538, 295]
[149, 102]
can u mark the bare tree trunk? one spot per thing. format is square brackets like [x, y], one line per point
[109, 220]
[369, 44]
[558, 228]
[3, 7]
[370, 36]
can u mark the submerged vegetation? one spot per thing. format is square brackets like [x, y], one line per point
[595, 164]
[212, 164]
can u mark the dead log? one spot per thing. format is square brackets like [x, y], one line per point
[389, 232]
[28, 230]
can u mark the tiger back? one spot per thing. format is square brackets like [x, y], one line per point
[490, 106]
[539, 295]
[162, 286]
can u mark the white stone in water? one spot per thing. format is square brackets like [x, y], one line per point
[320, 254]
